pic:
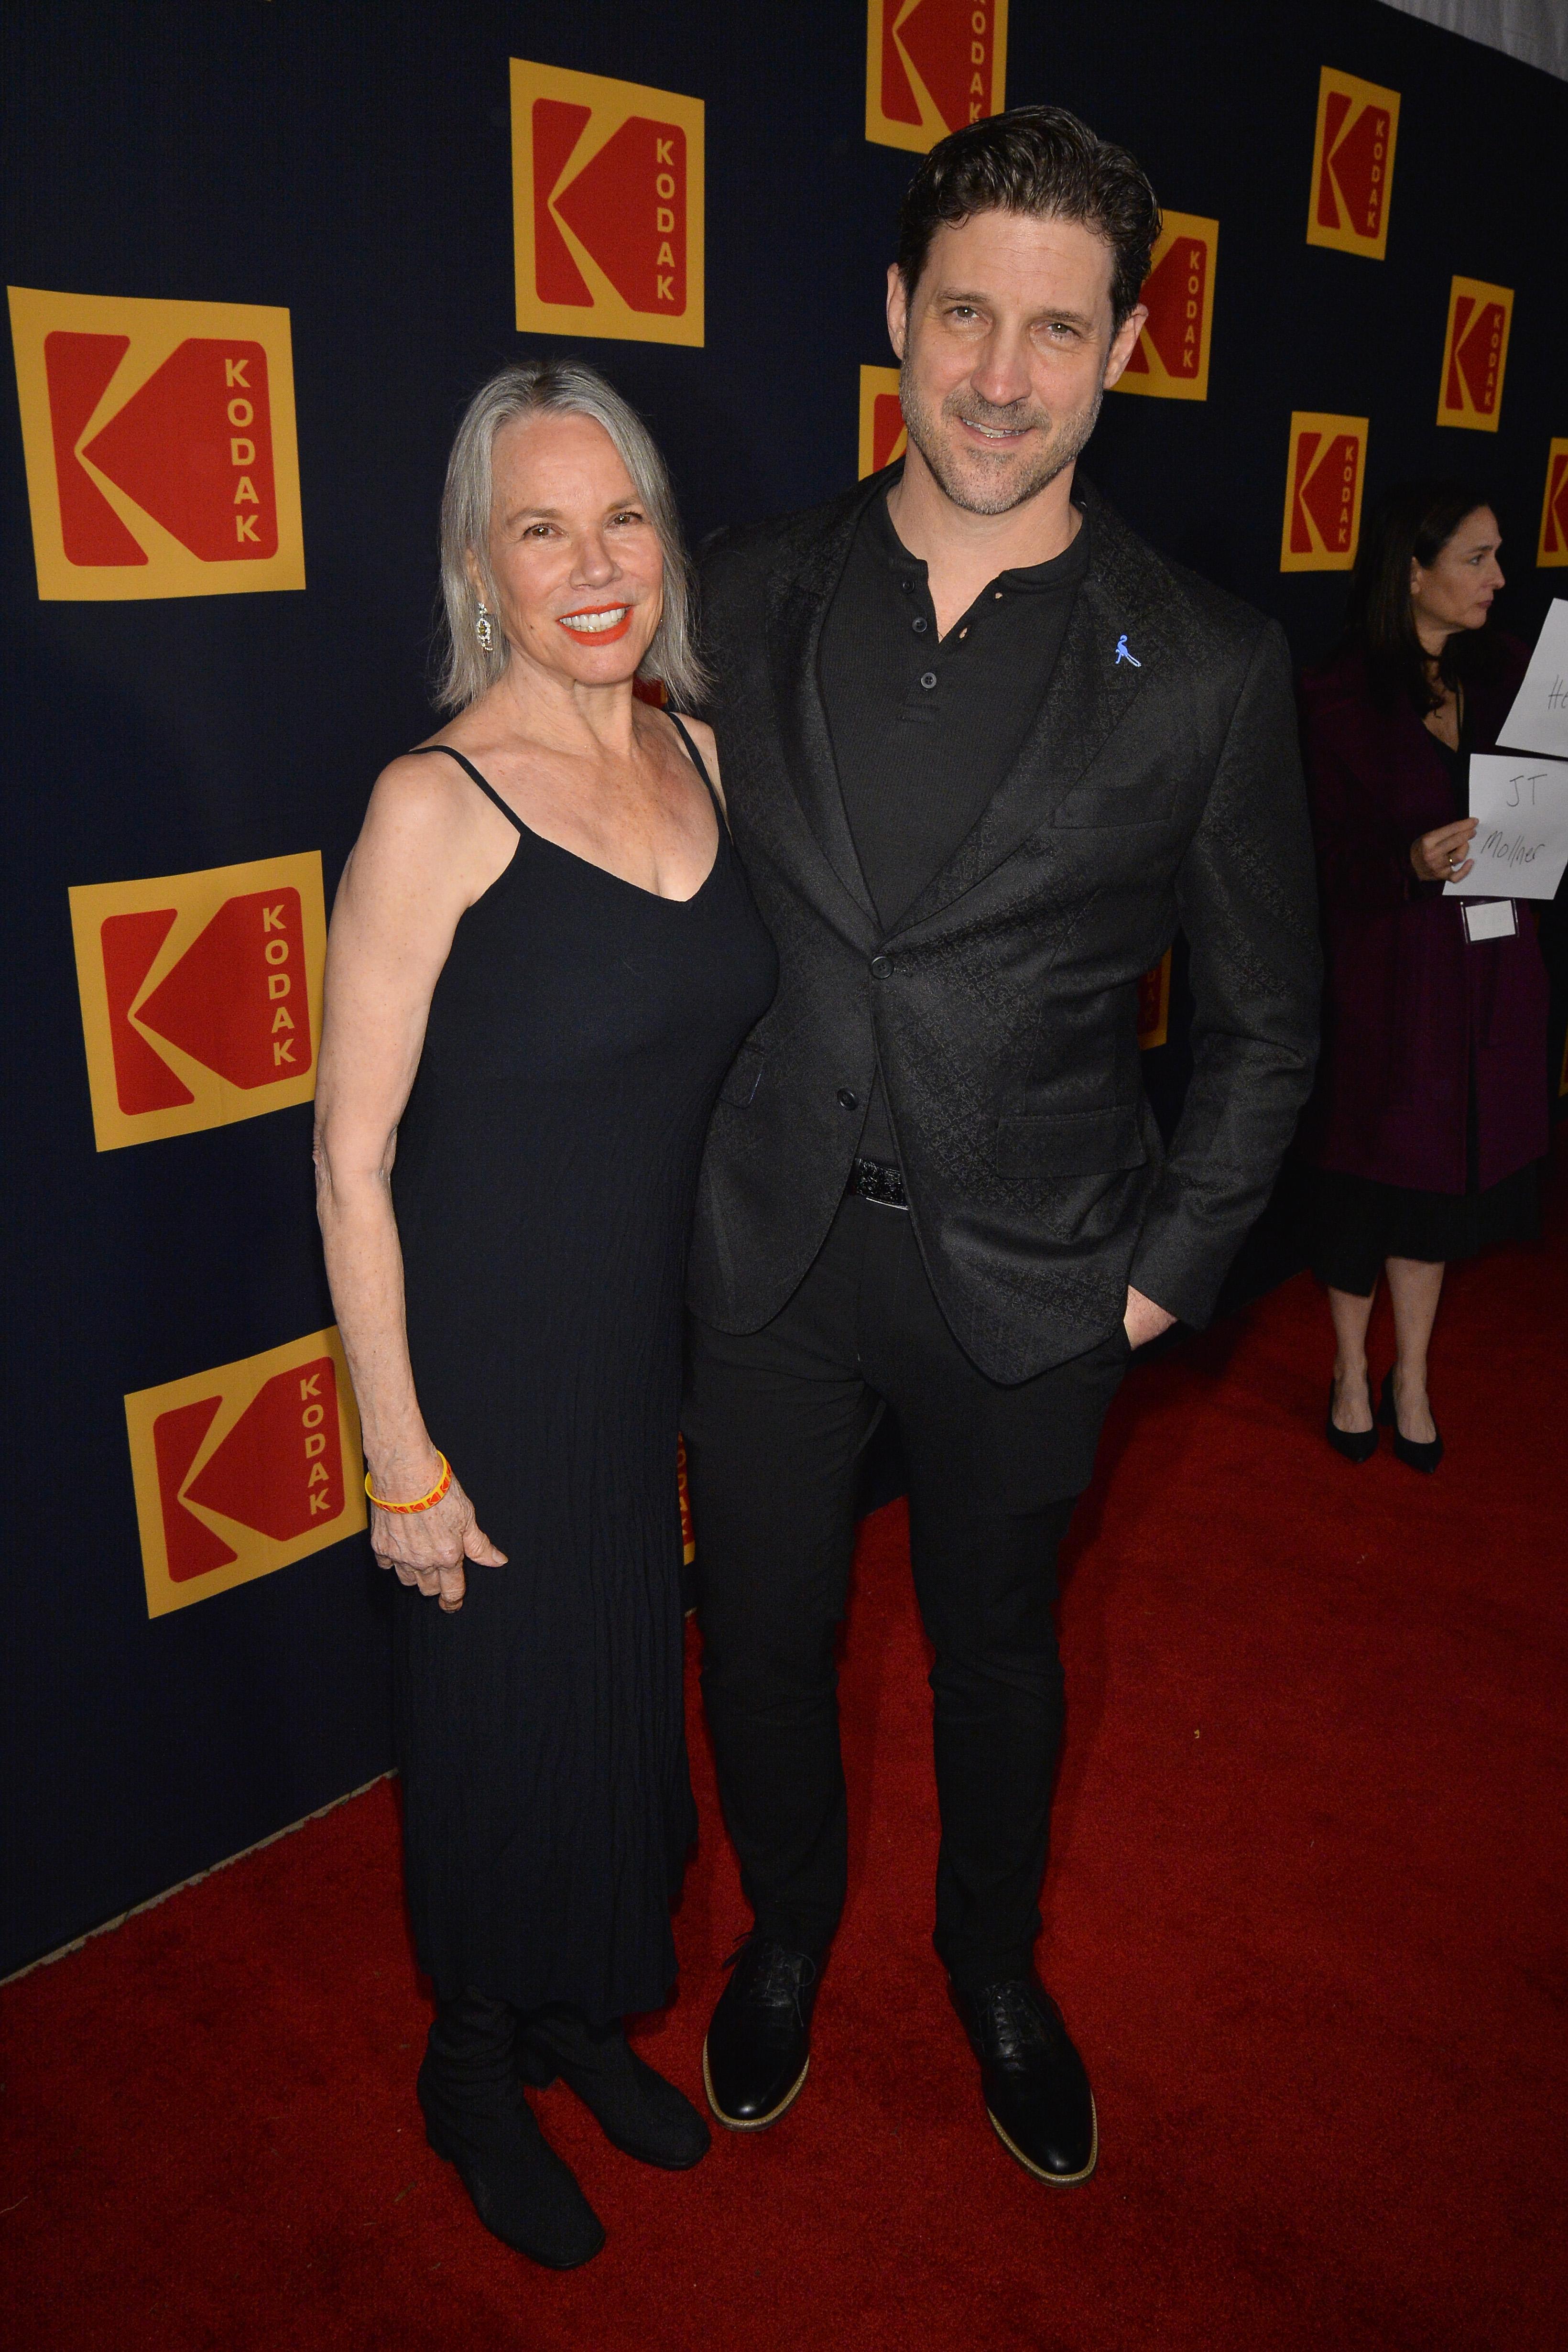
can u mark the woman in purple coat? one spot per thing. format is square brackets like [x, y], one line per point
[1430, 1112]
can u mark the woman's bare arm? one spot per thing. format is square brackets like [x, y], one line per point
[420, 861]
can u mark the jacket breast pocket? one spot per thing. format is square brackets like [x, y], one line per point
[744, 1077]
[1150, 802]
[1069, 1143]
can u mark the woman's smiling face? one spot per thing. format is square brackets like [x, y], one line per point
[577, 564]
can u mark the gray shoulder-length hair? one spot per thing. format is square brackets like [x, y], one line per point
[464, 670]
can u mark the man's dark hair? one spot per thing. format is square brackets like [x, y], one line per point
[1039, 160]
[1413, 521]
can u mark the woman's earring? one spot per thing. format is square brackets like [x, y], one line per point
[483, 628]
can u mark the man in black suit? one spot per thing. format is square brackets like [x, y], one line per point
[984, 751]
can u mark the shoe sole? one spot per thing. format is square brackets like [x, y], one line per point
[1055, 2179]
[752, 2123]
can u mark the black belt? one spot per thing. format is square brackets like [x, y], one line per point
[879, 1181]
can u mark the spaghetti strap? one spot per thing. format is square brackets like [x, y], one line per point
[696, 758]
[422, 750]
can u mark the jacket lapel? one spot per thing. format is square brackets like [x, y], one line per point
[797, 607]
[1092, 689]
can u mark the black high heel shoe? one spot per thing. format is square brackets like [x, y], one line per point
[1355, 1444]
[1419, 1456]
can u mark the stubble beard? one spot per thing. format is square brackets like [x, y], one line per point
[1062, 441]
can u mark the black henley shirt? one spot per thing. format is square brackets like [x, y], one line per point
[924, 729]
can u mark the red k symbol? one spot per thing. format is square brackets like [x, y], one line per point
[1325, 483]
[280, 1471]
[192, 449]
[1555, 535]
[237, 1001]
[950, 43]
[1478, 346]
[1355, 165]
[627, 205]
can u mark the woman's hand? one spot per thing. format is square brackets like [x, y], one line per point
[1439, 857]
[428, 1548]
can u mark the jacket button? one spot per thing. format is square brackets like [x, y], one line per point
[848, 1100]
[881, 966]
[928, 679]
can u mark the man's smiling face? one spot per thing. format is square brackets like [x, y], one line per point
[1006, 349]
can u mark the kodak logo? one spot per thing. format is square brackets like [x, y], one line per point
[244, 1470]
[160, 445]
[1475, 350]
[1154, 1004]
[1553, 547]
[1322, 493]
[1170, 357]
[931, 67]
[607, 207]
[882, 436]
[1352, 164]
[200, 995]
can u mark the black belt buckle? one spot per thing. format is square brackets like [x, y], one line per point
[879, 1181]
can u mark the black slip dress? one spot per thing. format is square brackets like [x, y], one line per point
[545, 1175]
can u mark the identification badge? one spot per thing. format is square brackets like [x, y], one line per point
[1490, 918]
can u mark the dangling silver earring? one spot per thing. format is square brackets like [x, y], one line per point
[484, 629]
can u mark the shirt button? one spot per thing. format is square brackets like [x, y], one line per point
[928, 677]
[847, 1100]
[920, 626]
[881, 966]
[907, 586]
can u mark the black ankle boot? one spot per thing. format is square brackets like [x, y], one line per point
[476, 2117]
[638, 2110]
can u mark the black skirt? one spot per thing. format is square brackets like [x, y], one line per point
[1357, 1224]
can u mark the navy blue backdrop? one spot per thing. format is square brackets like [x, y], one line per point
[353, 164]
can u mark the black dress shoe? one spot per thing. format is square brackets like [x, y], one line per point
[759, 2042]
[476, 2117]
[1036, 2091]
[1419, 1455]
[1355, 1444]
[638, 2110]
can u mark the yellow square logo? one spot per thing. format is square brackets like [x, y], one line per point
[1352, 164]
[1170, 357]
[882, 436]
[160, 444]
[932, 66]
[1323, 486]
[243, 1469]
[1475, 352]
[201, 995]
[607, 207]
[1553, 549]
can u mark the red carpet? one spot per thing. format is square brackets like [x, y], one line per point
[1305, 1917]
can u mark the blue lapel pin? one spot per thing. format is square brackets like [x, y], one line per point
[1123, 655]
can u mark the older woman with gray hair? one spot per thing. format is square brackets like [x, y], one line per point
[543, 956]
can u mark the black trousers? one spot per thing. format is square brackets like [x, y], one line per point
[775, 1422]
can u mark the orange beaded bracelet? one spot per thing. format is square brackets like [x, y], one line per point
[426, 1502]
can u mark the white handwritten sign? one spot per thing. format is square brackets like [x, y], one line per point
[1539, 720]
[1520, 845]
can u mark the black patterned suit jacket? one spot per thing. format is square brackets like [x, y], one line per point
[1160, 786]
